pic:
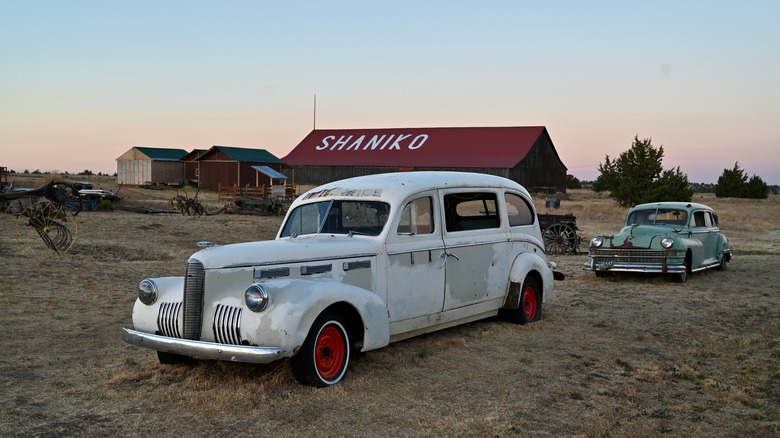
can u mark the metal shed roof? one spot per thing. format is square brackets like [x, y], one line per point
[161, 154]
[267, 171]
[243, 155]
[491, 147]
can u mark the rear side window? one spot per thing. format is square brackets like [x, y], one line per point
[471, 211]
[518, 211]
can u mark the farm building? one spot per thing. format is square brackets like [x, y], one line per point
[142, 165]
[225, 166]
[524, 154]
[191, 170]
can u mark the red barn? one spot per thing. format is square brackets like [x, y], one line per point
[525, 154]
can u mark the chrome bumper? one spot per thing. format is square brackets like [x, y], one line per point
[202, 350]
[651, 268]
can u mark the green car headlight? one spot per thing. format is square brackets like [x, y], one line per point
[597, 241]
[147, 292]
[667, 242]
[256, 298]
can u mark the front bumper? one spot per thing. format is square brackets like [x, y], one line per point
[202, 350]
[651, 268]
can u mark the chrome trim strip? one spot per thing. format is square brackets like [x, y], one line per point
[636, 267]
[296, 261]
[202, 350]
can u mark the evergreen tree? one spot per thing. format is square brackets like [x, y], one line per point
[637, 176]
[756, 188]
[732, 183]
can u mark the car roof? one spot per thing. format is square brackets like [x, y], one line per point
[397, 186]
[675, 205]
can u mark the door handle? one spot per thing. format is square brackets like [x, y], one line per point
[445, 255]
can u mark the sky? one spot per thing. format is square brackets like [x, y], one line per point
[82, 82]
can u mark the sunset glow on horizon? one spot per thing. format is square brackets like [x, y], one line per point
[82, 82]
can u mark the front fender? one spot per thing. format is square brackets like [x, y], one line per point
[295, 304]
[169, 290]
[526, 263]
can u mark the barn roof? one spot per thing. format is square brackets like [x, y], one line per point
[162, 153]
[244, 155]
[492, 147]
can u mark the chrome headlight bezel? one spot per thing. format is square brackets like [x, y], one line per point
[147, 291]
[597, 241]
[667, 242]
[256, 298]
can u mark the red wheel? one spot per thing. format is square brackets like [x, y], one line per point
[324, 356]
[330, 351]
[529, 303]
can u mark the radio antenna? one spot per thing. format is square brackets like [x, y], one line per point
[315, 111]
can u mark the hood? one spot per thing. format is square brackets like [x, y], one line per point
[286, 250]
[641, 236]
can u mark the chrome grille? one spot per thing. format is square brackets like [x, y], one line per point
[227, 325]
[168, 319]
[193, 299]
[628, 255]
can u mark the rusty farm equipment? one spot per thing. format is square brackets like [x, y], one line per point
[560, 233]
[188, 206]
[50, 210]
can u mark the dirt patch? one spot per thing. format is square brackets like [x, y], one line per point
[619, 356]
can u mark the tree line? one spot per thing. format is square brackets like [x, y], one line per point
[637, 176]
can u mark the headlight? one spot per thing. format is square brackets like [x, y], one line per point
[147, 292]
[256, 298]
[597, 241]
[667, 242]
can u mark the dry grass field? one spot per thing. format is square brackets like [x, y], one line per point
[619, 356]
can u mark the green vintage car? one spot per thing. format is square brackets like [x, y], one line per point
[673, 238]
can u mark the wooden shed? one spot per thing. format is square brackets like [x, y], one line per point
[525, 154]
[191, 170]
[227, 166]
[143, 165]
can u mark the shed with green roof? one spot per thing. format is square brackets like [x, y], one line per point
[228, 166]
[143, 165]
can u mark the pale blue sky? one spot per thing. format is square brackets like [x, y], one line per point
[83, 81]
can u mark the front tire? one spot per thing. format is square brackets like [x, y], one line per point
[683, 276]
[323, 359]
[174, 359]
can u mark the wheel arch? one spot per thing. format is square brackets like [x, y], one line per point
[362, 310]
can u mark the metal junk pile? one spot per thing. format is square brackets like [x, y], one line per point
[50, 210]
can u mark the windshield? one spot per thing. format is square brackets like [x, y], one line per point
[659, 216]
[337, 217]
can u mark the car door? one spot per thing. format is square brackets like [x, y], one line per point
[700, 229]
[477, 258]
[415, 252]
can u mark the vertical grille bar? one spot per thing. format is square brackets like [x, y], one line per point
[194, 286]
[168, 319]
[227, 325]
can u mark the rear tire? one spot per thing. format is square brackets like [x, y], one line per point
[529, 306]
[323, 359]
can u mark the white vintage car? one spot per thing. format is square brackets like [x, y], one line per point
[357, 264]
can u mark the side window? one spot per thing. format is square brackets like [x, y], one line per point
[471, 211]
[518, 210]
[417, 217]
[713, 219]
[698, 219]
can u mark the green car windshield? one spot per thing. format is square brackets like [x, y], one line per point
[337, 217]
[658, 216]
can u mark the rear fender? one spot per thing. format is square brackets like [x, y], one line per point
[529, 263]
